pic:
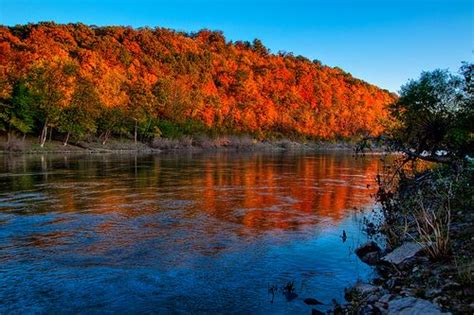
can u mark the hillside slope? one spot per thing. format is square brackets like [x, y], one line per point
[85, 80]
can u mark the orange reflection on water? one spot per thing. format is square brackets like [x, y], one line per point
[278, 194]
[256, 192]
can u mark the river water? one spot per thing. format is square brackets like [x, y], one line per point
[181, 233]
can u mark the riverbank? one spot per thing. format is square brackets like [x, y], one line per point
[223, 143]
[427, 265]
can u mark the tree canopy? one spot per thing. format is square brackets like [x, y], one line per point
[82, 79]
[434, 116]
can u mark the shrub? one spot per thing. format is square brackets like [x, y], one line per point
[169, 129]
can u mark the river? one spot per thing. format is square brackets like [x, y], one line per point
[182, 233]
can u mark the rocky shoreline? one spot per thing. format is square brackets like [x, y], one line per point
[410, 282]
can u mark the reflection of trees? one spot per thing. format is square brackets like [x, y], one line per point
[239, 191]
[278, 192]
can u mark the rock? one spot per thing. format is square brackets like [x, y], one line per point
[384, 270]
[382, 304]
[311, 301]
[371, 258]
[366, 248]
[422, 260]
[381, 307]
[316, 312]
[450, 285]
[468, 292]
[378, 281]
[440, 300]
[372, 298]
[432, 293]
[386, 298]
[369, 253]
[408, 292]
[340, 309]
[393, 282]
[403, 253]
[361, 290]
[412, 306]
[367, 309]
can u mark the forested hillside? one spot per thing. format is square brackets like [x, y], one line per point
[85, 80]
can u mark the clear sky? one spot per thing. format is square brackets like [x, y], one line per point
[384, 42]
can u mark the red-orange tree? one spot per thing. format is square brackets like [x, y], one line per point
[155, 75]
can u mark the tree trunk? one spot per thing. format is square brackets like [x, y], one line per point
[50, 133]
[146, 129]
[9, 136]
[24, 136]
[44, 133]
[66, 140]
[136, 133]
[106, 137]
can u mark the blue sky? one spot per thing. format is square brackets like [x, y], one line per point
[384, 42]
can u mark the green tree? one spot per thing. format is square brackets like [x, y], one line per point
[434, 114]
[17, 113]
[79, 118]
[259, 48]
[141, 106]
[51, 85]
[111, 121]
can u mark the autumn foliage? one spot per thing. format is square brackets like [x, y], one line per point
[84, 80]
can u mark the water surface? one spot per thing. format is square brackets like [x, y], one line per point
[185, 233]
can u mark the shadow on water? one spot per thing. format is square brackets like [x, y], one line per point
[183, 232]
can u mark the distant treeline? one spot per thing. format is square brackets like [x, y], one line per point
[84, 80]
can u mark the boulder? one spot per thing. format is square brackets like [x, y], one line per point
[367, 248]
[403, 253]
[369, 253]
[371, 258]
[412, 306]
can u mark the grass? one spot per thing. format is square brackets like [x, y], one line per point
[433, 226]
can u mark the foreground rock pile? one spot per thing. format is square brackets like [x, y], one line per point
[408, 283]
